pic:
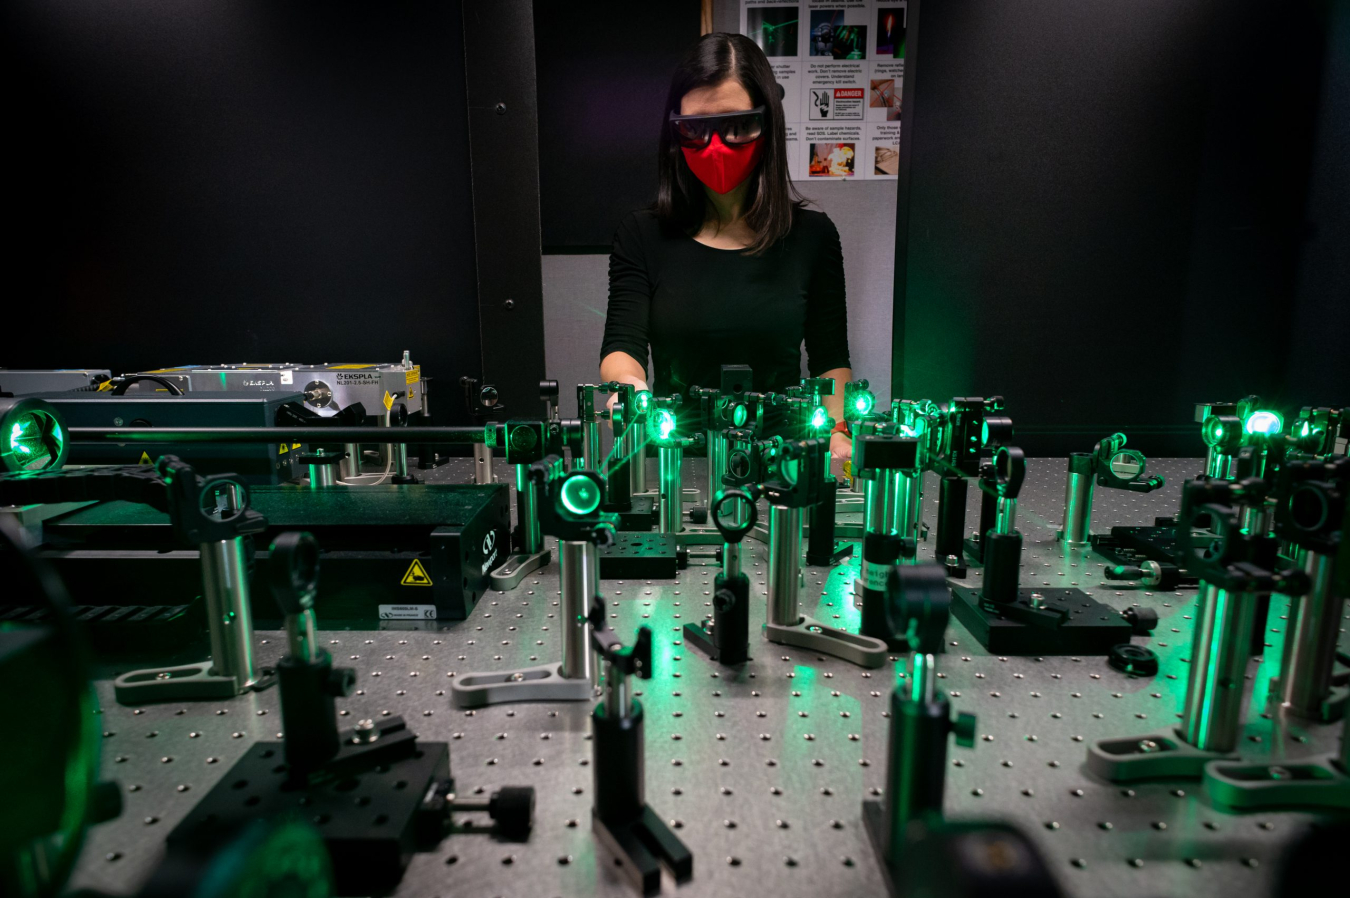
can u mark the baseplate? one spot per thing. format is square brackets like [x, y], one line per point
[638, 556]
[1132, 545]
[762, 771]
[368, 819]
[641, 515]
[1091, 628]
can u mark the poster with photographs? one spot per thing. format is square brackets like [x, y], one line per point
[840, 67]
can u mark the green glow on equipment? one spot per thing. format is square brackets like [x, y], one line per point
[863, 403]
[819, 417]
[1263, 422]
[739, 414]
[663, 424]
[642, 401]
[580, 495]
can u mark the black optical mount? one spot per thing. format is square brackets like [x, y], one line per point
[725, 636]
[406, 784]
[1008, 619]
[640, 840]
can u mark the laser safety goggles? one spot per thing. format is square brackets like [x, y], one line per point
[735, 128]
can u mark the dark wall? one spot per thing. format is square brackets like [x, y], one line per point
[603, 68]
[1103, 214]
[204, 182]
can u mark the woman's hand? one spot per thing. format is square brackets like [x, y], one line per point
[841, 450]
[638, 385]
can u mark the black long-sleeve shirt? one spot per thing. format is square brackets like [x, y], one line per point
[700, 308]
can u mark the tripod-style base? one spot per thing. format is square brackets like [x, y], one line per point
[1314, 783]
[544, 683]
[1152, 756]
[166, 684]
[516, 567]
[809, 633]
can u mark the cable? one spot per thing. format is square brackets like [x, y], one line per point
[388, 466]
[124, 382]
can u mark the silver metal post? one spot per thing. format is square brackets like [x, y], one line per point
[785, 546]
[1310, 642]
[618, 698]
[637, 463]
[580, 582]
[482, 463]
[225, 582]
[877, 506]
[321, 476]
[527, 511]
[731, 560]
[1211, 717]
[351, 465]
[1078, 491]
[671, 507]
[1005, 515]
[717, 466]
[401, 460]
[904, 487]
[300, 635]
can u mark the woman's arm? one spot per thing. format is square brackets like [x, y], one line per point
[621, 366]
[841, 446]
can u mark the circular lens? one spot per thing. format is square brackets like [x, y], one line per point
[580, 495]
[984, 433]
[863, 403]
[1212, 431]
[819, 418]
[739, 413]
[1263, 422]
[790, 469]
[642, 400]
[1308, 508]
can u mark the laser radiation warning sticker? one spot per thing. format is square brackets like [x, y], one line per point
[416, 575]
[145, 459]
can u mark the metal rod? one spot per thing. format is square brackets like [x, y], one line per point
[1211, 717]
[1310, 642]
[230, 619]
[785, 548]
[401, 460]
[421, 435]
[321, 476]
[903, 487]
[1078, 491]
[300, 635]
[482, 464]
[731, 560]
[580, 579]
[671, 510]
[618, 700]
[717, 463]
[876, 503]
[527, 512]
[637, 460]
[1005, 515]
[351, 465]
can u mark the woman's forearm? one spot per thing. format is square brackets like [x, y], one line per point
[624, 368]
[835, 404]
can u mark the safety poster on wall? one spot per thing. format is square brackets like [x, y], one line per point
[839, 66]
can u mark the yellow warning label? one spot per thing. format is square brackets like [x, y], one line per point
[413, 375]
[416, 575]
[388, 401]
[282, 450]
[145, 459]
[295, 445]
[105, 386]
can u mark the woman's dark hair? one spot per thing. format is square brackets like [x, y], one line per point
[770, 199]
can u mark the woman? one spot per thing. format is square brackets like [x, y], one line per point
[727, 267]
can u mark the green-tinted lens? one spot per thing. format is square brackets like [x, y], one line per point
[738, 415]
[580, 495]
[662, 424]
[1263, 422]
[819, 418]
[642, 400]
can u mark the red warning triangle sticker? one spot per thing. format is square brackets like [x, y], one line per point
[416, 575]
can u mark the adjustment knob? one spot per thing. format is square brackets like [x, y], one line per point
[512, 809]
[963, 729]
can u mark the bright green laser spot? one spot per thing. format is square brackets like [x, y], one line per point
[580, 495]
[642, 400]
[662, 424]
[1263, 422]
[864, 403]
[819, 417]
[739, 415]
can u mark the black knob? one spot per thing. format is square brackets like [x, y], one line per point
[512, 809]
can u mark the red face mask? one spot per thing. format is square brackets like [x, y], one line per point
[721, 167]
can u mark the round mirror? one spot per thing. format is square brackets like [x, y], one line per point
[1127, 464]
[580, 495]
[223, 499]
